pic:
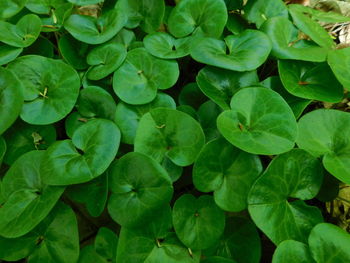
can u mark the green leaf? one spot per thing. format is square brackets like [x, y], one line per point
[287, 44]
[236, 24]
[54, 239]
[295, 174]
[310, 81]
[169, 133]
[89, 255]
[260, 122]
[27, 200]
[220, 84]
[105, 59]
[291, 251]
[310, 27]
[198, 17]
[240, 241]
[104, 249]
[141, 75]
[191, 95]
[73, 122]
[329, 243]
[106, 243]
[198, 223]
[92, 194]
[148, 14]
[59, 239]
[9, 8]
[95, 102]
[23, 137]
[93, 30]
[127, 117]
[154, 242]
[207, 115]
[163, 45]
[23, 34]
[330, 140]
[228, 172]
[297, 104]
[73, 51]
[322, 15]
[125, 37]
[8, 53]
[42, 47]
[260, 10]
[11, 98]
[43, 6]
[139, 186]
[244, 52]
[51, 88]
[93, 147]
[338, 60]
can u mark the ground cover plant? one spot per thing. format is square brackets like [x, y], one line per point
[214, 131]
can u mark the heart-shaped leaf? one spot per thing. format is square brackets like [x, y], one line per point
[51, 88]
[127, 117]
[23, 34]
[139, 186]
[23, 137]
[27, 200]
[310, 27]
[198, 223]
[153, 242]
[240, 241]
[198, 17]
[244, 52]
[326, 132]
[146, 13]
[291, 251]
[95, 102]
[141, 75]
[9, 8]
[164, 132]
[329, 243]
[310, 81]
[260, 122]
[165, 46]
[295, 174]
[220, 84]
[105, 60]
[338, 60]
[228, 171]
[11, 98]
[260, 10]
[54, 239]
[93, 147]
[287, 43]
[93, 30]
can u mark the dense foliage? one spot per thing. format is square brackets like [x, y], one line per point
[152, 131]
